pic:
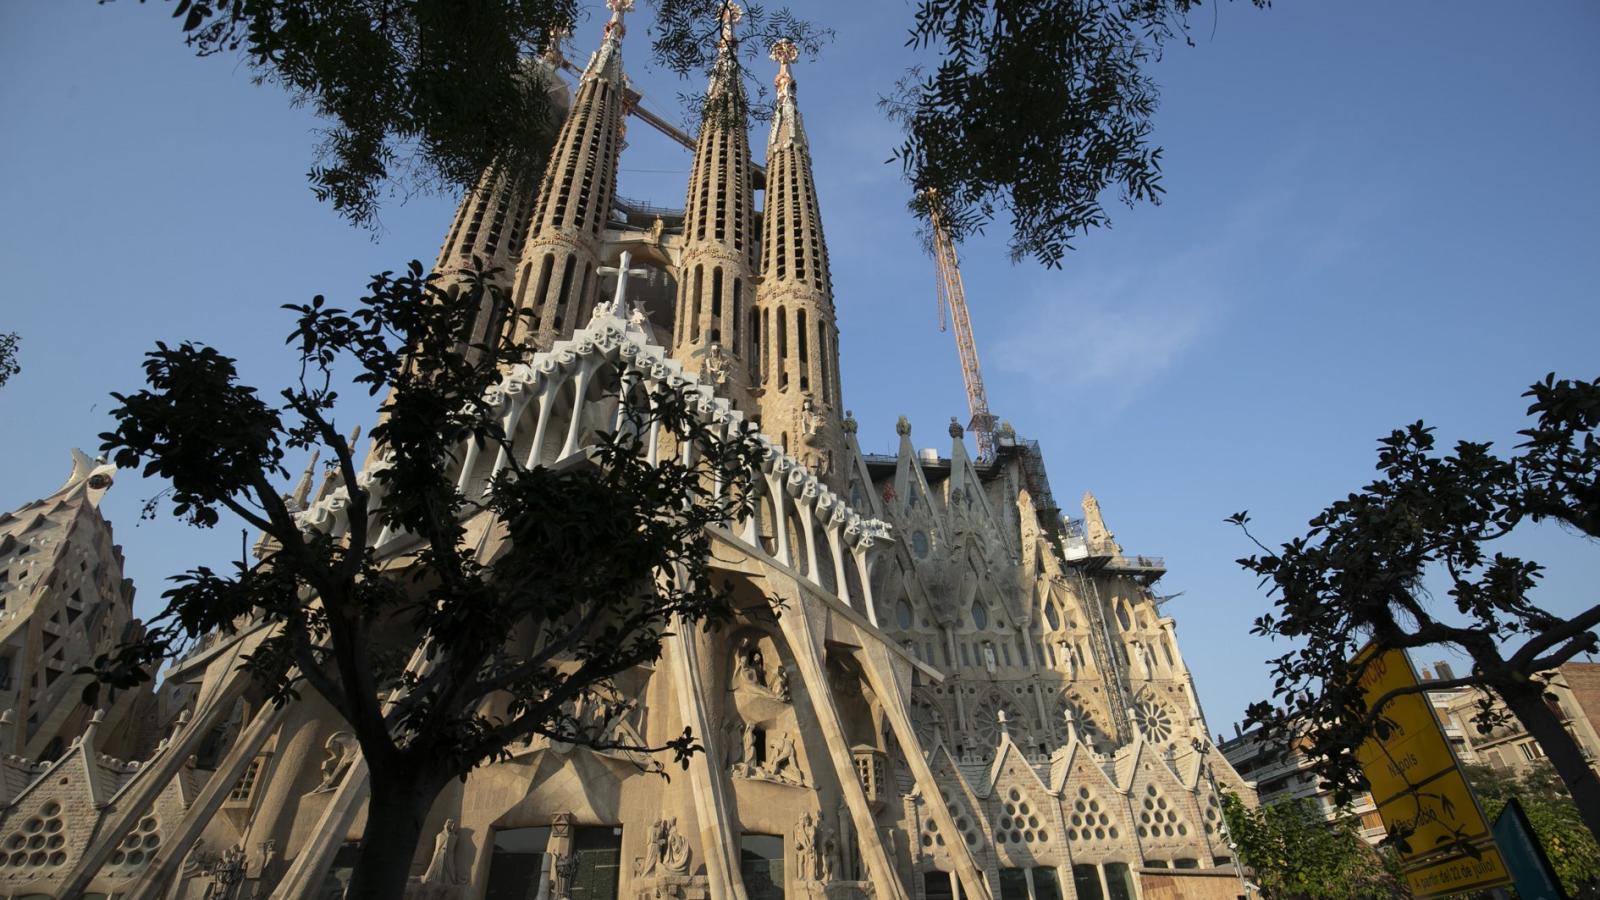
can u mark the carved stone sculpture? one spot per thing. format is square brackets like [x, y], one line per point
[748, 664]
[442, 867]
[342, 749]
[667, 852]
[805, 848]
[780, 683]
[785, 765]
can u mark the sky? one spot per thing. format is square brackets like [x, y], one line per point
[1376, 213]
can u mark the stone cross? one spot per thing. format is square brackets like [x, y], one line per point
[619, 302]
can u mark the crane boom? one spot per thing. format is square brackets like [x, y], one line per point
[953, 296]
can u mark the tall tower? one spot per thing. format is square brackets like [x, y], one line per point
[799, 353]
[556, 280]
[490, 224]
[715, 327]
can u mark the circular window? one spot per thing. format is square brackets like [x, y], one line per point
[1153, 720]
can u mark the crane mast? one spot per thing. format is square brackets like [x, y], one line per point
[953, 296]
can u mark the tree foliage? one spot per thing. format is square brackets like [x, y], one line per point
[588, 567]
[1360, 573]
[9, 345]
[425, 94]
[1294, 851]
[1034, 109]
[1572, 850]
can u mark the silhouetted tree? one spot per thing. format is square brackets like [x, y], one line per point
[9, 345]
[1360, 574]
[1035, 108]
[439, 654]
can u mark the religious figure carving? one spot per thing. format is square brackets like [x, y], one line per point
[226, 875]
[715, 366]
[811, 422]
[988, 657]
[737, 754]
[748, 663]
[342, 749]
[268, 870]
[827, 853]
[667, 852]
[656, 229]
[442, 868]
[780, 683]
[785, 765]
[805, 847]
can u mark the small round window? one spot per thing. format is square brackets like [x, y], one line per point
[919, 544]
[980, 616]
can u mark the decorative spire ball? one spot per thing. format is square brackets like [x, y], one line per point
[783, 53]
[732, 14]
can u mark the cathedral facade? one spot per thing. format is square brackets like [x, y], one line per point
[962, 692]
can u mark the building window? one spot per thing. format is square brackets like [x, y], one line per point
[517, 861]
[1086, 882]
[247, 782]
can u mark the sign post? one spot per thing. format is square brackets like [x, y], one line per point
[1445, 843]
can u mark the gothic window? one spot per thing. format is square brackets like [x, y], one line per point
[1154, 720]
[1123, 618]
[1157, 818]
[903, 614]
[980, 616]
[919, 543]
[783, 349]
[694, 318]
[1089, 823]
[1051, 616]
[716, 305]
[801, 346]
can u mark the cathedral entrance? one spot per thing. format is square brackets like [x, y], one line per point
[518, 869]
[761, 866]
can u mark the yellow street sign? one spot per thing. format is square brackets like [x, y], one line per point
[1446, 846]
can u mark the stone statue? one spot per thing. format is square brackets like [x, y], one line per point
[988, 657]
[805, 847]
[785, 763]
[667, 852]
[827, 853]
[715, 367]
[269, 869]
[780, 683]
[442, 867]
[657, 228]
[226, 875]
[748, 663]
[737, 754]
[811, 422]
[342, 749]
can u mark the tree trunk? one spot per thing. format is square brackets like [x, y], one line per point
[1525, 699]
[397, 808]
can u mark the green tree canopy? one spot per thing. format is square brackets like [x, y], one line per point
[1294, 851]
[1569, 845]
[1359, 574]
[488, 617]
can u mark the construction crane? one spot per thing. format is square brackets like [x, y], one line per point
[953, 296]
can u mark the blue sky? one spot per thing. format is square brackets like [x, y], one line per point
[1376, 212]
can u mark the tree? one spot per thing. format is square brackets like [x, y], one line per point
[1037, 109]
[1033, 108]
[1361, 573]
[9, 344]
[427, 94]
[501, 617]
[1571, 848]
[1295, 852]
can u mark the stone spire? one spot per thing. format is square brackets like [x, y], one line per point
[491, 224]
[715, 324]
[556, 283]
[799, 357]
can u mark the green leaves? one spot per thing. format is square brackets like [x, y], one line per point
[1358, 573]
[1035, 110]
[1295, 852]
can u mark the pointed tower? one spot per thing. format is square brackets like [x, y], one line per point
[716, 325]
[799, 352]
[556, 279]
